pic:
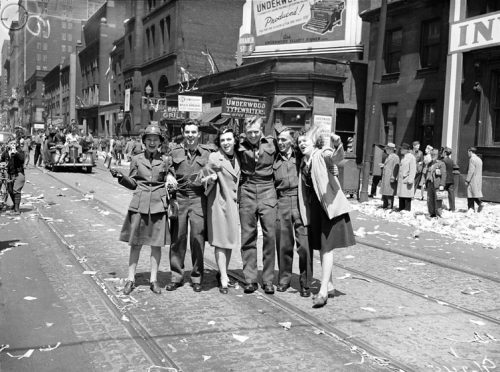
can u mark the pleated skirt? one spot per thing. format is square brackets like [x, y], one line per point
[327, 234]
[146, 229]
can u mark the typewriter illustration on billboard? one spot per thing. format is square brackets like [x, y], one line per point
[325, 15]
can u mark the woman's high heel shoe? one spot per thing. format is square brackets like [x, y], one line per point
[319, 301]
[155, 287]
[223, 290]
[129, 286]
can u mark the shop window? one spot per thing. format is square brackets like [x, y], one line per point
[430, 43]
[495, 107]
[390, 113]
[426, 122]
[345, 127]
[393, 50]
[479, 7]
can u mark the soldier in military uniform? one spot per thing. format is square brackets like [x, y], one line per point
[188, 159]
[290, 230]
[13, 159]
[146, 220]
[257, 201]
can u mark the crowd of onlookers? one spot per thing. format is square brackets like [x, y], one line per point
[433, 172]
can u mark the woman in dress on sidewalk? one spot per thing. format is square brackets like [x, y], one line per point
[222, 209]
[323, 205]
[146, 222]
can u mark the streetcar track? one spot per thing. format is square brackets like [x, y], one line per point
[330, 330]
[138, 333]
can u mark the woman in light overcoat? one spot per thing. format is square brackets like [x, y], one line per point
[322, 204]
[222, 209]
[390, 170]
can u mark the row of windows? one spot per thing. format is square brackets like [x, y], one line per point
[67, 25]
[157, 45]
[425, 116]
[68, 37]
[430, 46]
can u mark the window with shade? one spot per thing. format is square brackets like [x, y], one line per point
[426, 122]
[430, 43]
[393, 49]
[390, 113]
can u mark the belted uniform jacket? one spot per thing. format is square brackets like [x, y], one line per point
[147, 178]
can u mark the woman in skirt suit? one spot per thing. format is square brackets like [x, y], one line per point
[146, 221]
[323, 205]
[222, 210]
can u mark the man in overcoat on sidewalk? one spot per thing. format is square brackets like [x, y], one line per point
[389, 176]
[406, 177]
[474, 180]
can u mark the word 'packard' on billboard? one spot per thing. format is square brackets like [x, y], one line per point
[238, 107]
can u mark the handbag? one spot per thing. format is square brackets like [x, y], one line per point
[441, 195]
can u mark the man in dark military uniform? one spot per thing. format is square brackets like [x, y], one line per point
[289, 222]
[257, 201]
[188, 159]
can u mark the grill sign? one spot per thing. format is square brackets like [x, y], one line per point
[242, 107]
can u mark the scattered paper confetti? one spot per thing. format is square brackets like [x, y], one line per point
[319, 331]
[50, 348]
[30, 298]
[453, 352]
[3, 347]
[125, 318]
[25, 355]
[206, 357]
[286, 325]
[417, 263]
[471, 291]
[211, 322]
[48, 325]
[17, 244]
[400, 268]
[89, 272]
[371, 309]
[240, 338]
[349, 256]
[69, 235]
[478, 322]
[347, 275]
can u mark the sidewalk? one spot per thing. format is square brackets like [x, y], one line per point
[463, 238]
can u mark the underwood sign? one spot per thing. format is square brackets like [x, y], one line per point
[241, 107]
[475, 33]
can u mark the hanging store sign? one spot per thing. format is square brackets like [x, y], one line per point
[153, 104]
[190, 103]
[475, 33]
[239, 107]
[126, 105]
[173, 113]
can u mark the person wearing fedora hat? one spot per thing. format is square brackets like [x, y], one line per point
[146, 220]
[406, 177]
[450, 181]
[390, 170]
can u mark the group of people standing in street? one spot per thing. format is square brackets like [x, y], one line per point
[219, 195]
[433, 171]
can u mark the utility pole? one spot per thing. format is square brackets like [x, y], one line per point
[374, 109]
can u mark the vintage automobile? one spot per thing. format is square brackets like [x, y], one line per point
[4, 138]
[72, 161]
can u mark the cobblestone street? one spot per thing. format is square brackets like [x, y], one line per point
[390, 312]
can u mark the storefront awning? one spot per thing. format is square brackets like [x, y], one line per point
[209, 115]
